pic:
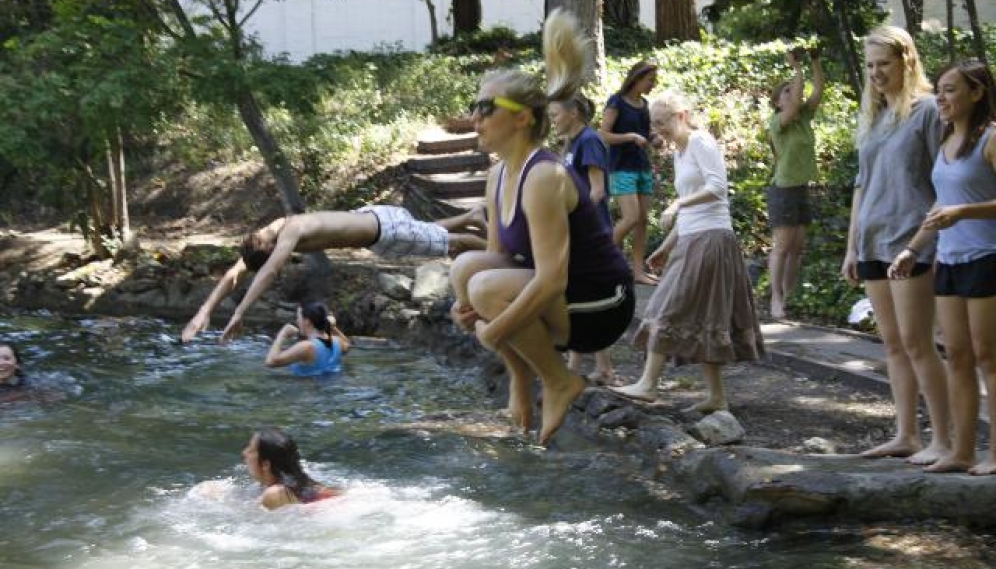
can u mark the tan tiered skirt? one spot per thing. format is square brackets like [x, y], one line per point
[702, 310]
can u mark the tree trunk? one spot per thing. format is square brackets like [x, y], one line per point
[952, 49]
[913, 14]
[276, 160]
[676, 20]
[120, 219]
[622, 13]
[851, 61]
[95, 227]
[978, 43]
[433, 24]
[466, 16]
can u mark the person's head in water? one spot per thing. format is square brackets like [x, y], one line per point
[313, 318]
[10, 364]
[510, 107]
[272, 458]
[256, 248]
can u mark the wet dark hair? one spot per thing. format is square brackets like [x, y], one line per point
[255, 250]
[639, 69]
[977, 75]
[318, 315]
[280, 450]
[17, 357]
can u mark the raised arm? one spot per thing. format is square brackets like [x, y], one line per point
[790, 110]
[816, 97]
[301, 351]
[225, 286]
[344, 342]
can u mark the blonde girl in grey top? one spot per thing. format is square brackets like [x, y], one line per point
[898, 137]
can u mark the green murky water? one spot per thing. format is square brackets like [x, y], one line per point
[104, 472]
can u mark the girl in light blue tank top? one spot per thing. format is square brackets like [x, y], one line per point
[320, 349]
[964, 176]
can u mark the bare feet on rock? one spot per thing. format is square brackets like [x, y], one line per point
[602, 377]
[949, 463]
[635, 391]
[645, 279]
[895, 448]
[984, 468]
[556, 404]
[929, 455]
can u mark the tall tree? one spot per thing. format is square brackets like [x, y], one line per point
[913, 14]
[977, 41]
[676, 20]
[219, 55]
[589, 15]
[952, 48]
[466, 16]
[622, 13]
[433, 23]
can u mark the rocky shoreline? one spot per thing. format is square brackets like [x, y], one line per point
[408, 301]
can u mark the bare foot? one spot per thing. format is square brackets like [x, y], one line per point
[777, 309]
[520, 402]
[635, 391]
[984, 468]
[708, 406]
[949, 463]
[602, 377]
[894, 448]
[929, 455]
[556, 404]
[644, 278]
[520, 418]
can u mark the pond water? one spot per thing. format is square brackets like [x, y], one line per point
[106, 471]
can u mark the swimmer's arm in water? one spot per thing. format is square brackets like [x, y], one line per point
[302, 351]
[225, 286]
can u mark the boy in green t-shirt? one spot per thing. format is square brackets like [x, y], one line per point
[794, 147]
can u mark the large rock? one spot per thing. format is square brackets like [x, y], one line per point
[398, 287]
[719, 428]
[762, 486]
[432, 281]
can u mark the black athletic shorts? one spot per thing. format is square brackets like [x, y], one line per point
[974, 279]
[878, 270]
[599, 314]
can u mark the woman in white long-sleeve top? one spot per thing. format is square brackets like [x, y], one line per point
[702, 311]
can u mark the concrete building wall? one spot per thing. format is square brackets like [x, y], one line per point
[302, 28]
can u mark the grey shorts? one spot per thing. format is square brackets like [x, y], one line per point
[401, 235]
[788, 207]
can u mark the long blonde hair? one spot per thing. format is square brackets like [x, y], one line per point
[565, 50]
[674, 101]
[915, 82]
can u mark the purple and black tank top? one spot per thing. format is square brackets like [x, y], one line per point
[594, 258]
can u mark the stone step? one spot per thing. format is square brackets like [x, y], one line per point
[442, 142]
[452, 184]
[459, 125]
[442, 163]
[426, 206]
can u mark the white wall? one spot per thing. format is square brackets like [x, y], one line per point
[302, 28]
[935, 14]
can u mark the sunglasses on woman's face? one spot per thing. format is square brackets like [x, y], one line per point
[487, 107]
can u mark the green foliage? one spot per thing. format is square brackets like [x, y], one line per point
[489, 41]
[625, 41]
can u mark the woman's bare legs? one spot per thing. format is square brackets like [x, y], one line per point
[982, 319]
[633, 209]
[783, 264]
[963, 385]
[906, 326]
[520, 375]
[604, 371]
[712, 373]
[491, 292]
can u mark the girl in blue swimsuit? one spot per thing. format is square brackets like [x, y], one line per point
[320, 348]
